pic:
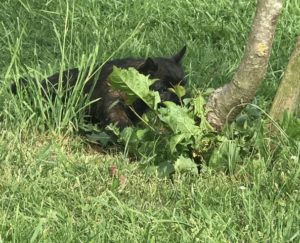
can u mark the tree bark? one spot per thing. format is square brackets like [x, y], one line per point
[288, 94]
[227, 102]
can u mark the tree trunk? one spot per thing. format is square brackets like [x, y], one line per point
[227, 102]
[288, 94]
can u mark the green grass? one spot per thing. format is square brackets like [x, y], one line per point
[57, 187]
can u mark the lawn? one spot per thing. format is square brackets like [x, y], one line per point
[56, 186]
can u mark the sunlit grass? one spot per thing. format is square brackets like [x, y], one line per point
[57, 187]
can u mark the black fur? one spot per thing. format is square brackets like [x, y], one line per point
[110, 108]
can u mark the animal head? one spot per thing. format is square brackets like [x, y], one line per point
[167, 70]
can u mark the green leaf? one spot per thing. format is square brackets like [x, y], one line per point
[199, 110]
[183, 164]
[165, 169]
[175, 140]
[178, 90]
[134, 85]
[102, 137]
[141, 133]
[177, 118]
[126, 134]
[199, 103]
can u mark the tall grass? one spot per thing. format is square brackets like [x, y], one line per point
[55, 187]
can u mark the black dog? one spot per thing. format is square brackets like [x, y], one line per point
[110, 107]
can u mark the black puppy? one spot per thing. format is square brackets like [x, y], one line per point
[110, 107]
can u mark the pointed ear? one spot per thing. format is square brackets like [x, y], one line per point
[178, 57]
[148, 66]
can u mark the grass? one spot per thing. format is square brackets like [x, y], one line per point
[56, 187]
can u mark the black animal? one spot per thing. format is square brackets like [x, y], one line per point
[110, 106]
